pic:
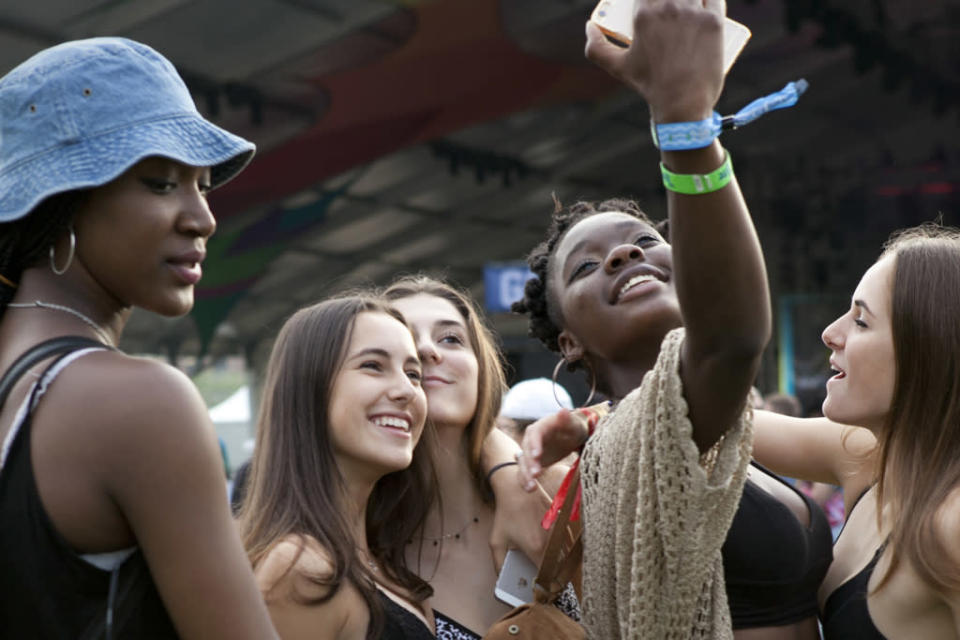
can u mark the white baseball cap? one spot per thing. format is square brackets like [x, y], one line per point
[534, 399]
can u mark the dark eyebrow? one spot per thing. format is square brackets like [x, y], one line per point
[862, 305]
[370, 352]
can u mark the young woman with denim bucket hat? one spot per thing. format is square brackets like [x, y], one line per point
[115, 518]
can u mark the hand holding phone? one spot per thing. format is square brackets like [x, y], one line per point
[615, 19]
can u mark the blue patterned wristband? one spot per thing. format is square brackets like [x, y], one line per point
[682, 136]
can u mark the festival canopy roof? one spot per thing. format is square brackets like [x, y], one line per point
[405, 136]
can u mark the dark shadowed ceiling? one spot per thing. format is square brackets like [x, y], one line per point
[403, 136]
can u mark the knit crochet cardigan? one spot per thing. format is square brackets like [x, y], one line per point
[656, 514]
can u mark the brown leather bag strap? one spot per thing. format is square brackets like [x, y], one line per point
[564, 549]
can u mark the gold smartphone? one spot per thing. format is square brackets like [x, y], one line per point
[615, 18]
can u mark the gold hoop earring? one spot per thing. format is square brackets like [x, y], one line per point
[70, 254]
[556, 373]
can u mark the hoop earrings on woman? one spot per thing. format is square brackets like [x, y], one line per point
[556, 372]
[70, 254]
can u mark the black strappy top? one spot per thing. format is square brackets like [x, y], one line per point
[773, 565]
[46, 589]
[845, 613]
[400, 624]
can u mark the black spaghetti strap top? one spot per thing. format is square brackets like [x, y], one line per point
[47, 591]
[773, 565]
[845, 613]
[400, 624]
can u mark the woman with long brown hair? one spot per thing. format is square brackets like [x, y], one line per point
[338, 483]
[474, 511]
[464, 382]
[896, 351]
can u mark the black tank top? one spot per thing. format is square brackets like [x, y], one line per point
[845, 613]
[47, 591]
[773, 565]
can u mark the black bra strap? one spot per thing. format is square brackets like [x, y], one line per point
[38, 353]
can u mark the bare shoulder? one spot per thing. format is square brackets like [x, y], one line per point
[291, 559]
[118, 392]
[290, 577]
[947, 531]
[130, 421]
[946, 526]
[114, 382]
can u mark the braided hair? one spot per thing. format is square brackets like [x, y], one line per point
[538, 302]
[25, 242]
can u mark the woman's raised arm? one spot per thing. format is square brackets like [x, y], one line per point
[675, 63]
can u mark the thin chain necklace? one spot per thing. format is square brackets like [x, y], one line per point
[455, 535]
[40, 304]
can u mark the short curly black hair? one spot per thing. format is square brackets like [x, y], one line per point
[537, 302]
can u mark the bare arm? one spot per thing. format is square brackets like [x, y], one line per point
[675, 63]
[815, 449]
[516, 523]
[164, 472]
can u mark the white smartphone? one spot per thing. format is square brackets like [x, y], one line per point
[515, 584]
[615, 18]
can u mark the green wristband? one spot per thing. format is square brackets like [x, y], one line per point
[697, 183]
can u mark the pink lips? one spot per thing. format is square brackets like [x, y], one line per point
[190, 274]
[392, 429]
[840, 372]
[434, 381]
[187, 266]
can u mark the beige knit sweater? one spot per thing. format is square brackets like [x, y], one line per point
[656, 515]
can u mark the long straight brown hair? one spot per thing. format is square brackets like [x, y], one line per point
[491, 381]
[919, 444]
[295, 486]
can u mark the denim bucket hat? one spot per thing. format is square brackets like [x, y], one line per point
[79, 114]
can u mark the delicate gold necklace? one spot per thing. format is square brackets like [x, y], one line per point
[453, 535]
[40, 304]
